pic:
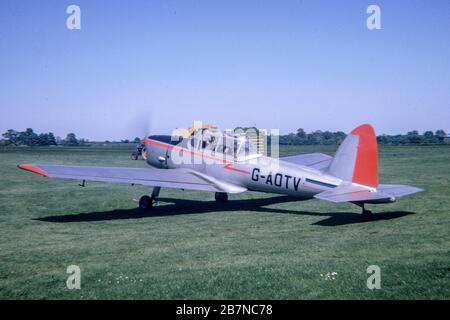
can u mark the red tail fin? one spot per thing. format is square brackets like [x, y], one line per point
[356, 160]
[366, 164]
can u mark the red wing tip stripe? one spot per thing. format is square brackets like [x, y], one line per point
[33, 168]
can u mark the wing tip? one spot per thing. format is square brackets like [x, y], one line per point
[33, 168]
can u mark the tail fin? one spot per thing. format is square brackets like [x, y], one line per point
[356, 160]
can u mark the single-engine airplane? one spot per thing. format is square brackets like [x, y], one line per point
[227, 163]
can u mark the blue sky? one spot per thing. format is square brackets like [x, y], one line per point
[276, 64]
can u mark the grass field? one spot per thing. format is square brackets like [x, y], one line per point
[259, 246]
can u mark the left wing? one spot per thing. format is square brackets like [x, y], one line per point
[166, 178]
[314, 160]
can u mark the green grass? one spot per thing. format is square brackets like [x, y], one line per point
[259, 246]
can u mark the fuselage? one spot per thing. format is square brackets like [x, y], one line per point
[254, 172]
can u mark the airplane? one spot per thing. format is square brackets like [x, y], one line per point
[208, 159]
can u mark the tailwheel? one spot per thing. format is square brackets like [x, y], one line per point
[367, 215]
[221, 197]
[145, 203]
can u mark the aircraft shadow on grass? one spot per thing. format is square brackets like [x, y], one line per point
[183, 206]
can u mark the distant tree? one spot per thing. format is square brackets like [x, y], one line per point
[301, 137]
[125, 141]
[339, 137]
[400, 139]
[440, 134]
[51, 139]
[137, 140]
[46, 139]
[328, 138]
[11, 137]
[429, 137]
[383, 139]
[71, 140]
[43, 139]
[413, 137]
[316, 137]
[290, 139]
[29, 137]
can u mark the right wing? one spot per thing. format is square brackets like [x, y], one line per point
[314, 160]
[166, 178]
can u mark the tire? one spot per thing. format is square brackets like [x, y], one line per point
[221, 197]
[145, 203]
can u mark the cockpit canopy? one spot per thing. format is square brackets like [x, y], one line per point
[237, 146]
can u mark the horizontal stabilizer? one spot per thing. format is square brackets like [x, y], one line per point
[356, 193]
[398, 190]
[352, 193]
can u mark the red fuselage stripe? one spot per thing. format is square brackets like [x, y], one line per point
[227, 163]
[228, 167]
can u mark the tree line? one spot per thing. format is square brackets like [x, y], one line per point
[30, 138]
[319, 137]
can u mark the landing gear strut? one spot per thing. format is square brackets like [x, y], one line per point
[366, 215]
[146, 203]
[221, 197]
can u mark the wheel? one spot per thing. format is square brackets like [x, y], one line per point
[145, 203]
[134, 156]
[221, 197]
[367, 215]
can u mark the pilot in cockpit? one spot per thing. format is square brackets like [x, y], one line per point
[207, 138]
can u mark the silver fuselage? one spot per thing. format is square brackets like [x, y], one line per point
[255, 173]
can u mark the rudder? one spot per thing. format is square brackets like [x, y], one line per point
[356, 160]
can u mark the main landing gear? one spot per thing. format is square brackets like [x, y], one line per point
[221, 197]
[146, 203]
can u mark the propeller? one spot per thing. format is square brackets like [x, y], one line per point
[142, 125]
